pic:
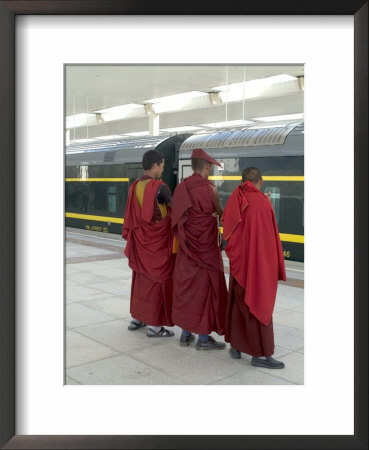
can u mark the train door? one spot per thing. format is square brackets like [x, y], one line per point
[112, 199]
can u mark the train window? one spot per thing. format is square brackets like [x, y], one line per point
[135, 171]
[83, 172]
[186, 171]
[275, 198]
[112, 199]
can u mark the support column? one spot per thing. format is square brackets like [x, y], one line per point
[154, 124]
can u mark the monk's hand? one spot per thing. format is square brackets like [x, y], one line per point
[215, 214]
[268, 194]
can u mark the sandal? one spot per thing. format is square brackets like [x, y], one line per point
[135, 326]
[163, 332]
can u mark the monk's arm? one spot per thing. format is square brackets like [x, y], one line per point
[165, 196]
[218, 206]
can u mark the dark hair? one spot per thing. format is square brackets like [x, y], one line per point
[198, 163]
[252, 174]
[150, 158]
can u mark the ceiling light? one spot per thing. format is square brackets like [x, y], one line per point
[229, 123]
[264, 125]
[257, 88]
[81, 141]
[181, 129]
[80, 120]
[177, 102]
[122, 112]
[278, 118]
[138, 133]
[109, 137]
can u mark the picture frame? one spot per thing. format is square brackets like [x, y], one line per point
[8, 11]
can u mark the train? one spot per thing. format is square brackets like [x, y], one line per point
[98, 175]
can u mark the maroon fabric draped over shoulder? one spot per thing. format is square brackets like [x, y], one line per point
[200, 291]
[149, 252]
[254, 248]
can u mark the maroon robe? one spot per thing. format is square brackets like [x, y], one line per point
[243, 330]
[149, 252]
[200, 291]
[256, 264]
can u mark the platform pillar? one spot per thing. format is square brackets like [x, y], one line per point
[154, 124]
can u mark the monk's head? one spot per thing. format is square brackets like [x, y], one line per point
[153, 163]
[201, 166]
[253, 174]
[202, 163]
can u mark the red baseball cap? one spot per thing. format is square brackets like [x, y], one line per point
[199, 153]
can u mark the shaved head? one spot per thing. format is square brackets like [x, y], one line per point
[252, 174]
[198, 164]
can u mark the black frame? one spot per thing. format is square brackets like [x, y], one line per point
[8, 11]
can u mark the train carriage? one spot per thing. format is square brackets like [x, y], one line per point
[278, 151]
[98, 176]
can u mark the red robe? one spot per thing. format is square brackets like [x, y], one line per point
[254, 248]
[200, 291]
[243, 330]
[149, 253]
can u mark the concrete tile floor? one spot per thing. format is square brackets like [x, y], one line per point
[84, 350]
[100, 350]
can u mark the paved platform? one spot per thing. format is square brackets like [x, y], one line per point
[101, 351]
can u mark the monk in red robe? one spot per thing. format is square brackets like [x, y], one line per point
[256, 264]
[200, 291]
[147, 230]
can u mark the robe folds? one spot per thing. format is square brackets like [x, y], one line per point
[243, 330]
[254, 248]
[199, 291]
[149, 253]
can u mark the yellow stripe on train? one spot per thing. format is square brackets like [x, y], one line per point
[97, 179]
[96, 218]
[284, 237]
[215, 177]
[265, 178]
[298, 238]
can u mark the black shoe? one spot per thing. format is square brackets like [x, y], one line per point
[186, 340]
[210, 344]
[135, 325]
[268, 363]
[235, 354]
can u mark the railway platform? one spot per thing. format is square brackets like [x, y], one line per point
[100, 350]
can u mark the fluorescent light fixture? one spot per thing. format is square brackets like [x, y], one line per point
[109, 137]
[229, 123]
[279, 118]
[257, 88]
[80, 120]
[81, 141]
[138, 133]
[122, 112]
[177, 102]
[181, 129]
[264, 125]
